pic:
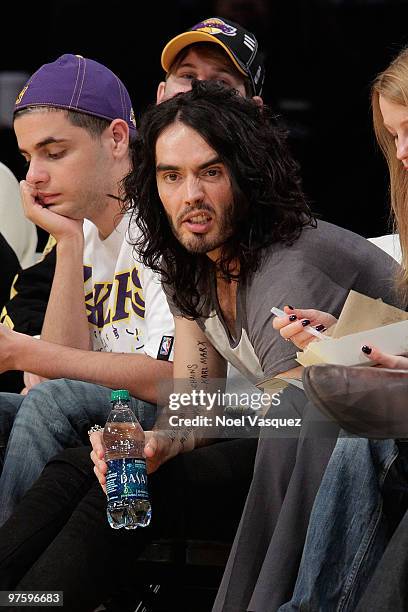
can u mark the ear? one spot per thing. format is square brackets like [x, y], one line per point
[119, 137]
[160, 92]
[258, 101]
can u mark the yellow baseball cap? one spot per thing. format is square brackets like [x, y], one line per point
[240, 45]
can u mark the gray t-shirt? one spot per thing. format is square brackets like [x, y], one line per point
[317, 271]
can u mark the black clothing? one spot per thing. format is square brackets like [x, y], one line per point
[59, 538]
[25, 311]
[10, 267]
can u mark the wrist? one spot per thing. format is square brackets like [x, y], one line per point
[182, 440]
[186, 441]
[177, 440]
[15, 349]
[71, 241]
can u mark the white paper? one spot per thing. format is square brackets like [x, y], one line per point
[347, 351]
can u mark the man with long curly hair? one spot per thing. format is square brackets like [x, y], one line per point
[224, 221]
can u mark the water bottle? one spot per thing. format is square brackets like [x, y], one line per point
[126, 480]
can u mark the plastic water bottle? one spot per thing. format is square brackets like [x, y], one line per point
[126, 480]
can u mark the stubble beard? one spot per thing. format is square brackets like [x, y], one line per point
[199, 244]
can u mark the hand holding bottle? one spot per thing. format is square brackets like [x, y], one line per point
[158, 449]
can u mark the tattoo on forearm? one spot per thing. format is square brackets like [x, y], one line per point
[192, 374]
[181, 435]
[203, 358]
[198, 384]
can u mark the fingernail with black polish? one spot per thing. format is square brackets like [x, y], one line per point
[293, 318]
[305, 322]
[366, 349]
[320, 328]
[290, 307]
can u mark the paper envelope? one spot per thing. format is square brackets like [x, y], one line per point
[363, 320]
[347, 350]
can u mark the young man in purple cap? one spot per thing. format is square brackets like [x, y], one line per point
[73, 121]
[214, 49]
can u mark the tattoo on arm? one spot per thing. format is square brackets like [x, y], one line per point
[198, 382]
[203, 359]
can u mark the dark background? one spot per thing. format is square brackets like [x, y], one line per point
[321, 57]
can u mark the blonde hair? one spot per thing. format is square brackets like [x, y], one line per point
[392, 84]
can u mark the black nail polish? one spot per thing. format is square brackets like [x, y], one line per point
[366, 349]
[320, 328]
[305, 322]
[293, 318]
[290, 307]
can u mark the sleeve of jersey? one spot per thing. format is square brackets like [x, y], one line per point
[159, 322]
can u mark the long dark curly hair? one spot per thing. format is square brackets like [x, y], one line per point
[268, 202]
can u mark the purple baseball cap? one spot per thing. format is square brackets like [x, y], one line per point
[75, 83]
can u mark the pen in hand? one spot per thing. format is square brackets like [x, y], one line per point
[310, 330]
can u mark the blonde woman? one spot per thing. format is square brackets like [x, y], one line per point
[354, 556]
[390, 118]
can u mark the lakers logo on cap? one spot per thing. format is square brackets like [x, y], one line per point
[215, 26]
[21, 94]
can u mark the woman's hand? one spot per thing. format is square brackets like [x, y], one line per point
[292, 326]
[385, 360]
